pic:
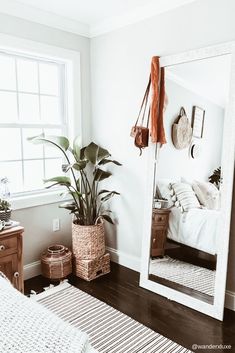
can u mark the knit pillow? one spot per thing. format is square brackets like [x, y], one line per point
[184, 196]
[207, 194]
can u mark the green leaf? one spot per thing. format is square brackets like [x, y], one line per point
[102, 154]
[77, 143]
[66, 167]
[91, 152]
[105, 161]
[62, 180]
[101, 174]
[80, 165]
[82, 153]
[94, 153]
[107, 218]
[109, 195]
[55, 141]
[68, 206]
[103, 192]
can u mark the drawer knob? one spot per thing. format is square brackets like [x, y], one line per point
[160, 218]
[154, 240]
[16, 274]
[2, 247]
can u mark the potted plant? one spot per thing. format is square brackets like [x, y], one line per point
[84, 169]
[215, 178]
[5, 210]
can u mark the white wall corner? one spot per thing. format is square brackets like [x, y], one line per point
[124, 259]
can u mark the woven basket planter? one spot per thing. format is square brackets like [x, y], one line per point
[88, 241]
[5, 215]
[56, 262]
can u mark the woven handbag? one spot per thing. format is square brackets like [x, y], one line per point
[181, 131]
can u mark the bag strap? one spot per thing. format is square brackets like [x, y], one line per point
[144, 103]
[182, 111]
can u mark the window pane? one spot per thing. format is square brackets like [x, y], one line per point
[50, 109]
[7, 72]
[13, 171]
[29, 108]
[53, 167]
[33, 175]
[27, 72]
[51, 151]
[29, 149]
[49, 79]
[8, 107]
[10, 144]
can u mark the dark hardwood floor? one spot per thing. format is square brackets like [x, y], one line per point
[121, 290]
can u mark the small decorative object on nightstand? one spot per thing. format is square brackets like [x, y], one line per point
[11, 256]
[160, 220]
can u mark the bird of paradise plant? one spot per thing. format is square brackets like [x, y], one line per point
[85, 172]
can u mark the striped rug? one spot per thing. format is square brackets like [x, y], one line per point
[195, 277]
[110, 331]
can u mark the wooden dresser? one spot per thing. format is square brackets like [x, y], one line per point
[160, 221]
[11, 256]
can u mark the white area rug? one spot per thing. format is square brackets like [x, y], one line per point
[188, 275]
[110, 331]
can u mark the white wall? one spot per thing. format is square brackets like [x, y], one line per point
[38, 220]
[179, 164]
[120, 63]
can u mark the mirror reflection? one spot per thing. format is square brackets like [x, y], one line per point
[187, 196]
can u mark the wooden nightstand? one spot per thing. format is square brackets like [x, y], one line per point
[160, 221]
[11, 256]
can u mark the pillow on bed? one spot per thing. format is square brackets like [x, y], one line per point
[184, 196]
[207, 194]
[163, 185]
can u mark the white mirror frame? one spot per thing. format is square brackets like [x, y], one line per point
[216, 309]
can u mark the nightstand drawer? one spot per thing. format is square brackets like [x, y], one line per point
[7, 245]
[160, 218]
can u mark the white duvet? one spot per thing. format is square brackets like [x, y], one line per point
[28, 327]
[197, 228]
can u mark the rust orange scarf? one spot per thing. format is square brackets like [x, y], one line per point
[157, 131]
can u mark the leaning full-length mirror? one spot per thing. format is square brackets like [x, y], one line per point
[186, 212]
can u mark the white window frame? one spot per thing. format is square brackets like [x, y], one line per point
[72, 89]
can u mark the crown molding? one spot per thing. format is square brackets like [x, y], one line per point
[139, 14]
[33, 14]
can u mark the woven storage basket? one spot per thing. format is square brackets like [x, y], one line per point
[56, 262]
[88, 241]
[91, 269]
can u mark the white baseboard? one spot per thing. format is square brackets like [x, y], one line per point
[230, 300]
[32, 270]
[124, 259]
[133, 262]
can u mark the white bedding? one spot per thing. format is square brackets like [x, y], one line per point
[197, 228]
[28, 327]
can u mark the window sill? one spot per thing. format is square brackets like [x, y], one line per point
[27, 201]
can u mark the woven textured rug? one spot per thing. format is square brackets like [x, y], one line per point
[110, 331]
[188, 275]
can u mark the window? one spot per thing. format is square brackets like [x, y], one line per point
[32, 101]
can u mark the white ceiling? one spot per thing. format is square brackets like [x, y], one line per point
[88, 17]
[209, 78]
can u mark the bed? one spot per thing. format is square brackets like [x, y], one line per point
[197, 228]
[28, 327]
